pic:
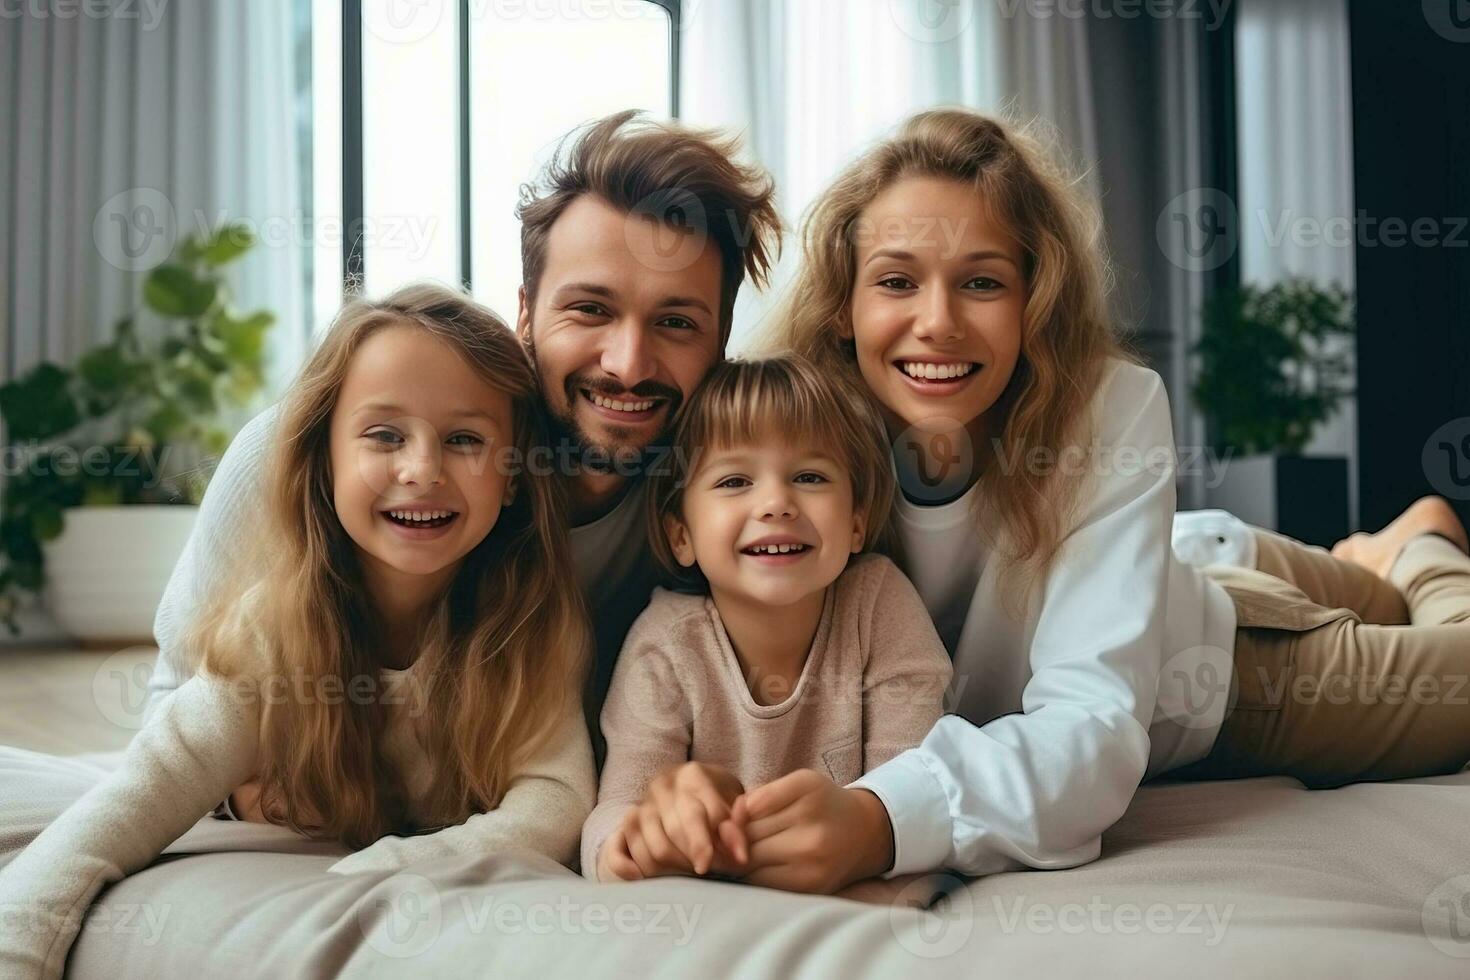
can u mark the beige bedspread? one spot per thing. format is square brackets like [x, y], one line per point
[1257, 878]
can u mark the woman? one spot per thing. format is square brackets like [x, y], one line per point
[957, 273]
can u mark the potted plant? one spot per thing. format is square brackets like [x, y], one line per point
[1275, 363]
[107, 459]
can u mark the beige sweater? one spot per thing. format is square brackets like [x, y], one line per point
[201, 744]
[873, 685]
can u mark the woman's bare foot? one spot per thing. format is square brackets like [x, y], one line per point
[1378, 552]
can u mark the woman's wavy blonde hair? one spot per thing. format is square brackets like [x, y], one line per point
[503, 651]
[1066, 336]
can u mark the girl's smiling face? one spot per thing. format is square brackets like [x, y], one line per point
[937, 303]
[768, 524]
[416, 448]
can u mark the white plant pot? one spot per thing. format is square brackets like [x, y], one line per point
[106, 572]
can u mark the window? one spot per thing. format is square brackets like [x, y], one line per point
[445, 108]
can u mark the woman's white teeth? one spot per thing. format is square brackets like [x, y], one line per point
[930, 371]
[617, 406]
[420, 515]
[776, 549]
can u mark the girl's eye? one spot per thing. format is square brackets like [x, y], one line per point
[810, 478]
[465, 439]
[732, 483]
[986, 284]
[385, 437]
[895, 282]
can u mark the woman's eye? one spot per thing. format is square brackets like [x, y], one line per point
[385, 437]
[732, 482]
[589, 309]
[984, 283]
[810, 478]
[895, 282]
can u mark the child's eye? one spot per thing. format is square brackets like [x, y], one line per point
[810, 478]
[385, 437]
[895, 282]
[732, 483]
[465, 439]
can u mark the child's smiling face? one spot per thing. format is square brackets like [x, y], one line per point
[416, 436]
[770, 524]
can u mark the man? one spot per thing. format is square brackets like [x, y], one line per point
[634, 243]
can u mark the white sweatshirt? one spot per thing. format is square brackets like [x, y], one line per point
[201, 743]
[1063, 710]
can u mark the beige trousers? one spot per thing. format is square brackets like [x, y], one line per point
[1341, 676]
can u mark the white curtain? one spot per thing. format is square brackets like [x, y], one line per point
[811, 83]
[121, 133]
[1293, 94]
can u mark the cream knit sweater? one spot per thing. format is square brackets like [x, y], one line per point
[201, 744]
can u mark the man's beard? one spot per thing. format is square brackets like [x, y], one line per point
[619, 456]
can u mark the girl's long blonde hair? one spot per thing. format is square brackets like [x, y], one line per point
[503, 651]
[1066, 337]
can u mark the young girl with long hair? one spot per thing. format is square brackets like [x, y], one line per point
[957, 272]
[402, 656]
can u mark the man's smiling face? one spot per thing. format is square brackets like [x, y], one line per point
[623, 325]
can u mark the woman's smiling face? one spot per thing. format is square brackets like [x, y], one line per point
[937, 303]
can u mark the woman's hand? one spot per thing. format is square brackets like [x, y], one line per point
[683, 826]
[807, 834]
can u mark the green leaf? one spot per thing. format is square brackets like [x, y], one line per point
[46, 523]
[227, 244]
[173, 290]
[102, 495]
[39, 404]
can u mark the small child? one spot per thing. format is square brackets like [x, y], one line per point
[401, 545]
[789, 653]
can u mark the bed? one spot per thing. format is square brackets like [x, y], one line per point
[1249, 878]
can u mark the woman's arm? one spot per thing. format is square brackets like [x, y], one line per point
[1037, 789]
[201, 744]
[542, 811]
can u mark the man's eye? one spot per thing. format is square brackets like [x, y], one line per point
[678, 323]
[385, 437]
[810, 478]
[733, 482]
[895, 282]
